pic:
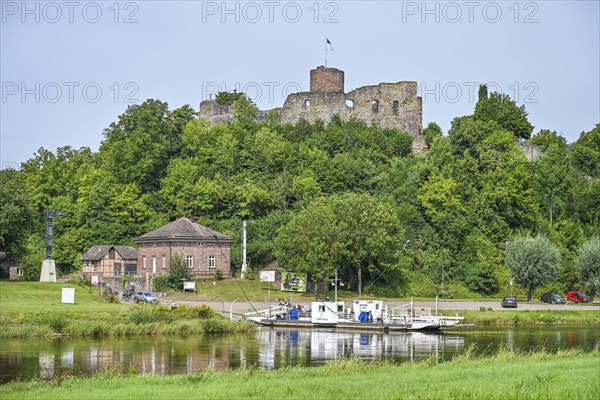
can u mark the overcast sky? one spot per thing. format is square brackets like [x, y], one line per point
[70, 68]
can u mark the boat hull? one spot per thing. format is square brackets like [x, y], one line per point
[348, 325]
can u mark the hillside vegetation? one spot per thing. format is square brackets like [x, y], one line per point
[344, 196]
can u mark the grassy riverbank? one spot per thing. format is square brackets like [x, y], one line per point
[35, 309]
[527, 317]
[568, 374]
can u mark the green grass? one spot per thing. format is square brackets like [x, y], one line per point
[35, 309]
[567, 374]
[26, 297]
[527, 317]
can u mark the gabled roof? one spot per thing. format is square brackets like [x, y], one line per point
[183, 229]
[97, 252]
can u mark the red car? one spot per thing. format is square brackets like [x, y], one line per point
[577, 297]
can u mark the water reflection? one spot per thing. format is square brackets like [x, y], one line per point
[282, 347]
[268, 348]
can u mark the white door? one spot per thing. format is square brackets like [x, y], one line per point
[153, 264]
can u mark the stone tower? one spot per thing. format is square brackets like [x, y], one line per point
[325, 79]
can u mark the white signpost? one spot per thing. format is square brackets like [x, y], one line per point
[267, 276]
[189, 285]
[68, 295]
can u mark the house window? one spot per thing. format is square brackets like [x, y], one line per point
[307, 103]
[211, 262]
[395, 107]
[350, 103]
[190, 261]
[164, 262]
[19, 271]
[144, 262]
[200, 244]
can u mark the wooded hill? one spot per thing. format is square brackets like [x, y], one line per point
[344, 196]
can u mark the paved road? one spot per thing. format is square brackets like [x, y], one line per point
[241, 307]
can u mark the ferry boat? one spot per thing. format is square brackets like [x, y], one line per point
[366, 315]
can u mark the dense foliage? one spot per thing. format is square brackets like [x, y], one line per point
[345, 196]
[588, 262]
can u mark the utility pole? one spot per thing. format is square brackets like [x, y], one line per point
[244, 264]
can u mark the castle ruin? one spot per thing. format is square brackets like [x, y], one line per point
[388, 105]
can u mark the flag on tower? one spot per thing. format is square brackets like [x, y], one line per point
[330, 45]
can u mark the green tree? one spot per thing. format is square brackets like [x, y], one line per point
[586, 152]
[432, 131]
[355, 233]
[500, 108]
[16, 214]
[186, 191]
[178, 272]
[443, 206]
[533, 262]
[244, 110]
[588, 263]
[228, 98]
[553, 177]
[546, 137]
[137, 148]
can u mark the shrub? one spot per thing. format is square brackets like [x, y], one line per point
[219, 275]
[217, 325]
[161, 283]
[202, 312]
[145, 315]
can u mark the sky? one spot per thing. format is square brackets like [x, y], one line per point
[70, 68]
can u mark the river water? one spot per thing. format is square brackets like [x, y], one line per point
[270, 348]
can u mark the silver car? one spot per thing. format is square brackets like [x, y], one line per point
[147, 297]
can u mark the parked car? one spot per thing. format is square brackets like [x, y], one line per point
[552, 298]
[577, 297]
[509, 302]
[147, 297]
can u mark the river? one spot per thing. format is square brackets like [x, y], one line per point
[270, 348]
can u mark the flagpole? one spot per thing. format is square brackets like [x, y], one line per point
[325, 54]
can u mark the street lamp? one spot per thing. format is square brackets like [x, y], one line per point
[505, 252]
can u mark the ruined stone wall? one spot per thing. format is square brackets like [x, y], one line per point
[217, 114]
[532, 152]
[389, 105]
